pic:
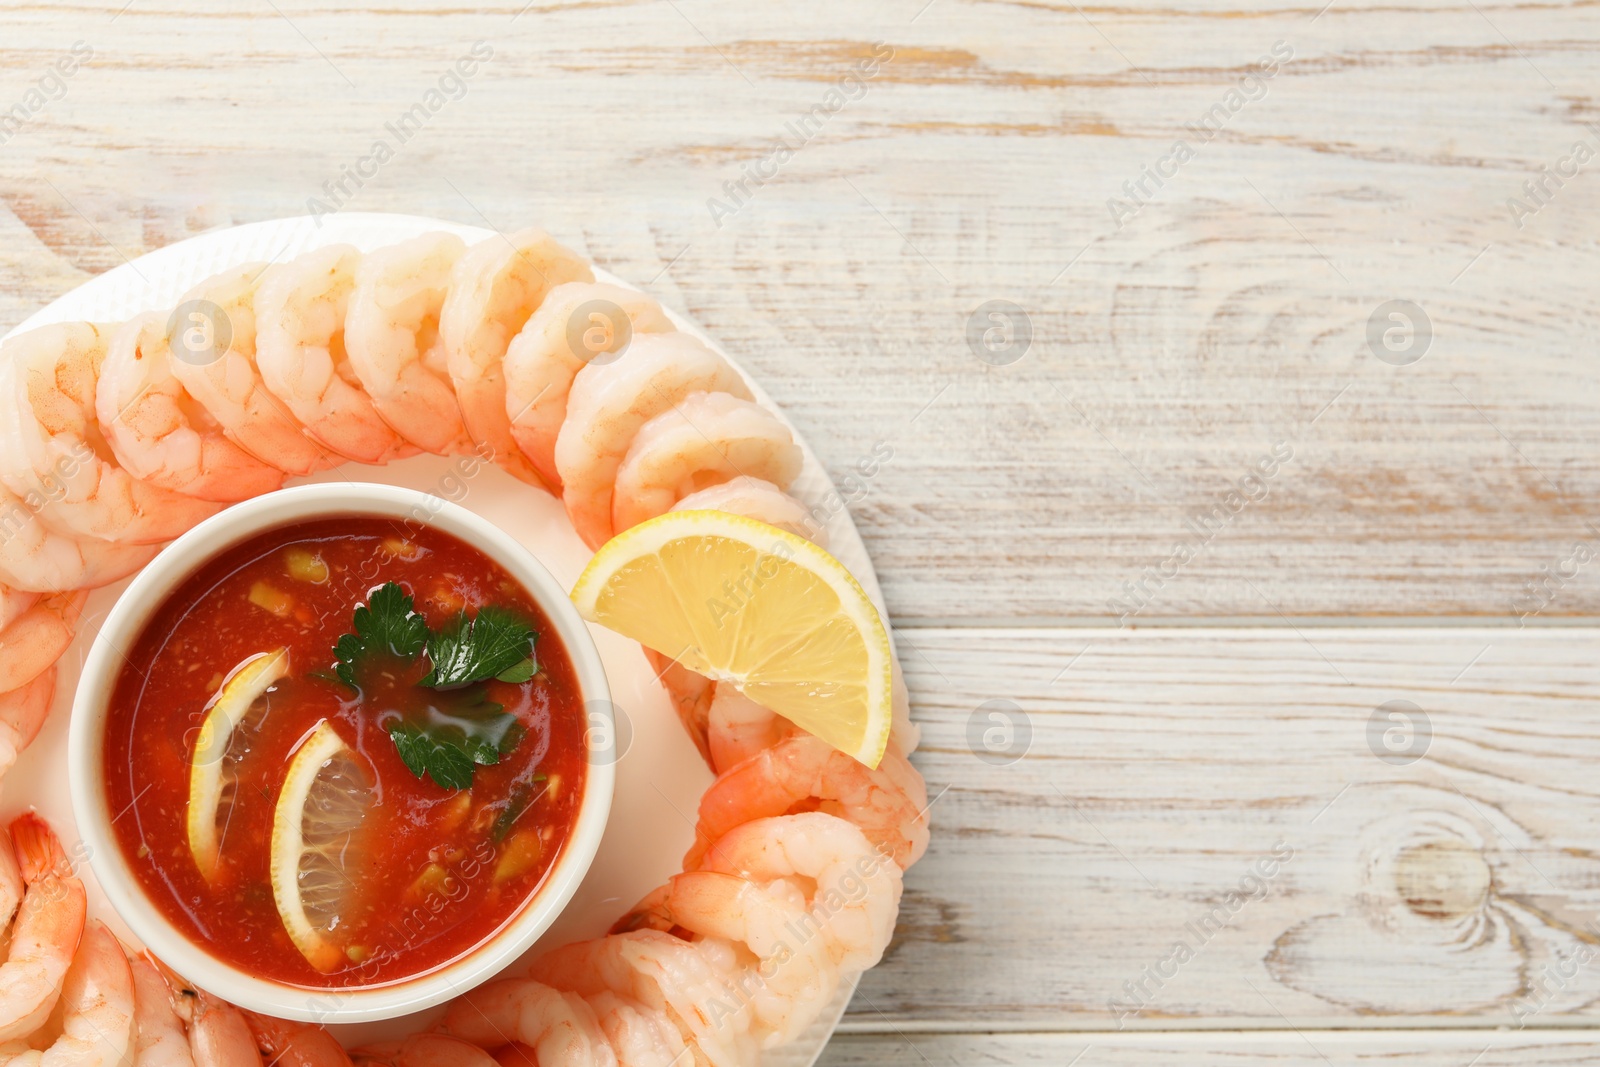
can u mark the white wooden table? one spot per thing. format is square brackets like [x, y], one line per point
[1199, 684]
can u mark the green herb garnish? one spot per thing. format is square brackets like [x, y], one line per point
[455, 727]
[455, 738]
[494, 644]
[385, 623]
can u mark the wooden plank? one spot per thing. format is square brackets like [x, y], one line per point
[1215, 828]
[1304, 1049]
[1228, 315]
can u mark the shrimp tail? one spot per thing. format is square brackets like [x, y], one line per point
[649, 914]
[184, 995]
[38, 849]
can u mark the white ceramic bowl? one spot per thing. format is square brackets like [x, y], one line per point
[86, 746]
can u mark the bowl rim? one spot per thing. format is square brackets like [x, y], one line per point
[151, 587]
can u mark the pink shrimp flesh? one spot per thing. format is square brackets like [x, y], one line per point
[48, 927]
[887, 804]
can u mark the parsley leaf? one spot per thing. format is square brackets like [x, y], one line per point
[494, 642]
[385, 623]
[522, 672]
[461, 729]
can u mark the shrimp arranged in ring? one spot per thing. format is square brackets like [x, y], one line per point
[300, 351]
[159, 1039]
[112, 442]
[49, 924]
[391, 334]
[31, 645]
[759, 500]
[703, 440]
[496, 287]
[610, 402]
[159, 433]
[578, 323]
[225, 380]
[48, 428]
[423, 1050]
[98, 1008]
[887, 804]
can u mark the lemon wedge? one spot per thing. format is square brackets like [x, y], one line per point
[316, 852]
[212, 782]
[750, 604]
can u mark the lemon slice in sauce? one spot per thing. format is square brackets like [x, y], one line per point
[221, 743]
[316, 846]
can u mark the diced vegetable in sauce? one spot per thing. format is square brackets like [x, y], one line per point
[264, 595]
[304, 565]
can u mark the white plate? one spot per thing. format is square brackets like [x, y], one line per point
[660, 772]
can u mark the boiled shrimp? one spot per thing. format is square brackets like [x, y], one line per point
[495, 288]
[703, 440]
[690, 693]
[640, 1036]
[789, 977]
[225, 380]
[290, 1044]
[48, 430]
[159, 1039]
[683, 981]
[13, 602]
[300, 313]
[219, 1036]
[759, 500]
[574, 326]
[888, 804]
[423, 1050]
[11, 887]
[856, 887]
[32, 644]
[560, 1027]
[22, 714]
[738, 728]
[610, 402]
[391, 334]
[97, 1003]
[37, 559]
[49, 924]
[159, 433]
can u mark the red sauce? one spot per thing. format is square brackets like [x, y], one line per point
[443, 869]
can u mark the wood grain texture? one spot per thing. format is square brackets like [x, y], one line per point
[1303, 1049]
[1207, 828]
[1229, 313]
